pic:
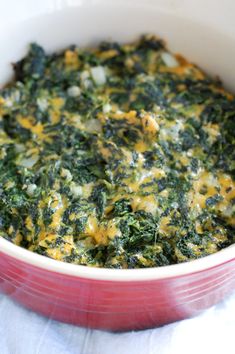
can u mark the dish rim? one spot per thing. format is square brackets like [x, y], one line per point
[117, 275]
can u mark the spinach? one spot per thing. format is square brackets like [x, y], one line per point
[212, 201]
[120, 187]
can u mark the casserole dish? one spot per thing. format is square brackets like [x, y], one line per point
[110, 298]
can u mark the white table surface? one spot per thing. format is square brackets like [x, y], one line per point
[24, 332]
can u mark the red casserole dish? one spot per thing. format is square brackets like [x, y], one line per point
[115, 299]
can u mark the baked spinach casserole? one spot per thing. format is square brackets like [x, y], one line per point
[119, 156]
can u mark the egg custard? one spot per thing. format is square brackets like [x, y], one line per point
[120, 156]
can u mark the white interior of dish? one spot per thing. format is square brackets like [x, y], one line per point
[201, 30]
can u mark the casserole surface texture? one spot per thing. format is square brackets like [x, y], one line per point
[120, 156]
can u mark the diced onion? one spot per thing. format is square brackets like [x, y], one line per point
[31, 189]
[169, 60]
[74, 91]
[85, 78]
[19, 147]
[172, 131]
[107, 108]
[29, 162]
[8, 102]
[84, 75]
[42, 104]
[66, 174]
[93, 125]
[98, 75]
[16, 96]
[174, 205]
[76, 190]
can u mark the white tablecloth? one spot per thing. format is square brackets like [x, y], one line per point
[24, 332]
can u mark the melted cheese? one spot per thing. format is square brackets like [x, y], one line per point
[107, 54]
[147, 203]
[29, 123]
[164, 226]
[150, 125]
[131, 117]
[205, 180]
[71, 59]
[223, 184]
[101, 232]
[59, 207]
[56, 104]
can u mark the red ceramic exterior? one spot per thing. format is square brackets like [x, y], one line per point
[114, 305]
